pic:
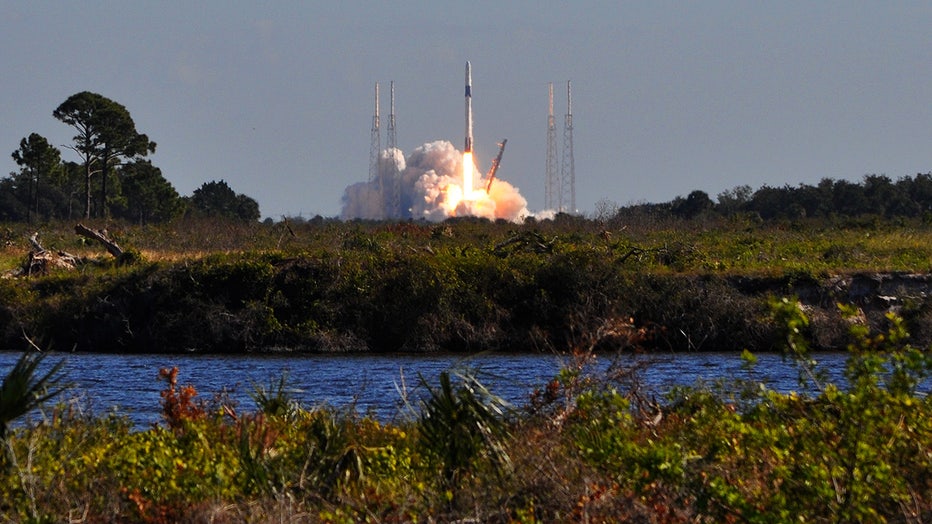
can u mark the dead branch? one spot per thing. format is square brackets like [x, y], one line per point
[100, 236]
[36, 245]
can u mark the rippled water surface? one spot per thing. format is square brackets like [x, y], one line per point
[373, 383]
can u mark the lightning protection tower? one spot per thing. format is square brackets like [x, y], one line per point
[568, 170]
[375, 147]
[394, 204]
[551, 182]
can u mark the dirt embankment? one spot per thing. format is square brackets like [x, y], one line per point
[875, 295]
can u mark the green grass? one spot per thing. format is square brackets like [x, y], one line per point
[461, 285]
[718, 246]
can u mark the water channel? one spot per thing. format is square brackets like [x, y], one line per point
[378, 384]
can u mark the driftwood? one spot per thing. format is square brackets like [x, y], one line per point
[100, 235]
[40, 260]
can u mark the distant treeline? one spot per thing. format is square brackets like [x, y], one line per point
[112, 180]
[878, 195]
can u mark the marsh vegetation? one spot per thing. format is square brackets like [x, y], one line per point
[462, 285]
[587, 447]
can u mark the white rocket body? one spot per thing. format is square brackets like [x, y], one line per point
[468, 147]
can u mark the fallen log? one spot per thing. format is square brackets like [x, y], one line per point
[100, 236]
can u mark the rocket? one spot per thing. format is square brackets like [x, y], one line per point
[468, 148]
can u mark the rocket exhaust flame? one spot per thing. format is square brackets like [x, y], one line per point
[436, 181]
[468, 167]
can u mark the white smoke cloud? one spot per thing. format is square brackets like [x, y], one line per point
[429, 187]
[372, 200]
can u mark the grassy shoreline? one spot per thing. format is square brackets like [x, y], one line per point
[461, 285]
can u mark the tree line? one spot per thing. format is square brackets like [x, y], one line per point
[112, 177]
[875, 195]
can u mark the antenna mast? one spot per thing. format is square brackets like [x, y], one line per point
[550, 175]
[394, 205]
[375, 148]
[568, 171]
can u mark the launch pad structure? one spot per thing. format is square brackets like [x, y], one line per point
[568, 168]
[375, 150]
[389, 198]
[394, 203]
[551, 188]
[560, 188]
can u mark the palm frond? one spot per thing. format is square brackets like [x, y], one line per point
[23, 390]
[461, 424]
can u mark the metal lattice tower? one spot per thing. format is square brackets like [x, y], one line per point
[568, 171]
[375, 147]
[550, 176]
[394, 204]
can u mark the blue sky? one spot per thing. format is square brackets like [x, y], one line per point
[668, 97]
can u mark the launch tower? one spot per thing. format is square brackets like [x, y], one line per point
[568, 170]
[394, 203]
[375, 148]
[551, 182]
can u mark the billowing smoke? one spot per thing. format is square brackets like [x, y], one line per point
[427, 183]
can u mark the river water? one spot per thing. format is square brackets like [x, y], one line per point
[378, 384]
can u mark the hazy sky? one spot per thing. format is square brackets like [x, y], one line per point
[276, 98]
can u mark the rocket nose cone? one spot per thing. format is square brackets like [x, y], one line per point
[468, 73]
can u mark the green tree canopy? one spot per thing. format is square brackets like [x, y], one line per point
[217, 199]
[39, 161]
[105, 134]
[696, 203]
[149, 197]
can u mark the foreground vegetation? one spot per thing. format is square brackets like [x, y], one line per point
[587, 447]
[463, 285]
